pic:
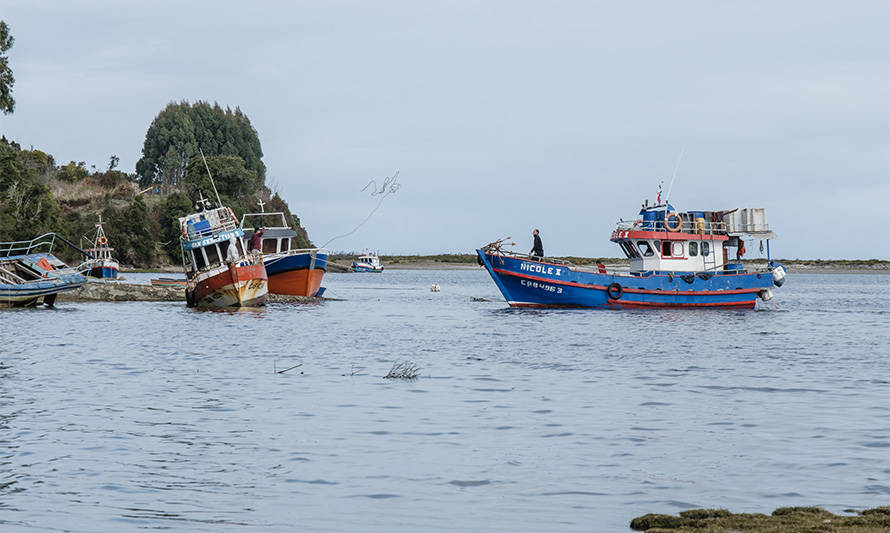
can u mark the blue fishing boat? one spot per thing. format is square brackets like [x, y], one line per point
[291, 270]
[29, 279]
[100, 263]
[676, 259]
[367, 262]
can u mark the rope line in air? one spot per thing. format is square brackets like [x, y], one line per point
[390, 186]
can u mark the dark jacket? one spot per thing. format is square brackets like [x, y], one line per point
[256, 241]
[538, 248]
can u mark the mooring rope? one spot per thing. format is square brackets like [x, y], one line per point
[390, 186]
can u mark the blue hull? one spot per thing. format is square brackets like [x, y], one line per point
[52, 282]
[528, 283]
[103, 273]
[300, 261]
[359, 268]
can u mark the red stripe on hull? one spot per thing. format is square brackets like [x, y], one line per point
[665, 236]
[302, 282]
[626, 289]
[647, 305]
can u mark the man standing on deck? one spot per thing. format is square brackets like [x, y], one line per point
[256, 240]
[538, 248]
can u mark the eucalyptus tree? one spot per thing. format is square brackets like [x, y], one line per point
[7, 102]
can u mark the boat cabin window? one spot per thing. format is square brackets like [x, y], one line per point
[200, 262]
[212, 254]
[693, 249]
[677, 249]
[666, 249]
[270, 246]
[645, 248]
[629, 249]
[285, 244]
[706, 248]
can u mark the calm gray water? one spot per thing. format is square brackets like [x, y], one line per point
[150, 415]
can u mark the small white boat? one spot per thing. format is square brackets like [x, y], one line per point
[100, 265]
[367, 262]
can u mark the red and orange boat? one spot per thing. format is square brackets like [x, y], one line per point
[219, 273]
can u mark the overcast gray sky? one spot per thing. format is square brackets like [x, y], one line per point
[502, 116]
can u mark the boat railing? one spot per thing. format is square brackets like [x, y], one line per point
[208, 223]
[696, 226]
[261, 220]
[309, 250]
[26, 247]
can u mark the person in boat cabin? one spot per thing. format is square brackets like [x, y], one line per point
[256, 240]
[538, 247]
[232, 252]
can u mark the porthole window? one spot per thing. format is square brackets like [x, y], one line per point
[706, 248]
[677, 249]
[693, 249]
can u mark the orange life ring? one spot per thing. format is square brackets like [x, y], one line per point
[103, 240]
[667, 226]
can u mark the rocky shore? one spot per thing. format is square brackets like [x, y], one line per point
[113, 291]
[782, 520]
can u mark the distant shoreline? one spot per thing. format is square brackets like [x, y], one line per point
[468, 261]
[341, 263]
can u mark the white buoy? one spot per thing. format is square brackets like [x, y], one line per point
[779, 276]
[435, 288]
[766, 295]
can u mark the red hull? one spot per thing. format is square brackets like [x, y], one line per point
[302, 282]
[242, 286]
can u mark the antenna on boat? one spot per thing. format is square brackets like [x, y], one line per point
[676, 167]
[218, 201]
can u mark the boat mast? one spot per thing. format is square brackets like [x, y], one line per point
[218, 201]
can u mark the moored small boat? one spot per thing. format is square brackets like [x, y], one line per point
[218, 271]
[100, 263]
[31, 279]
[292, 271]
[168, 282]
[367, 262]
[675, 260]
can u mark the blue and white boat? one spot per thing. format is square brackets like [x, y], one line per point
[29, 278]
[100, 263]
[367, 262]
[676, 259]
[292, 271]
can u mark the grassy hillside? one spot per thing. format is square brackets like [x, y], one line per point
[39, 196]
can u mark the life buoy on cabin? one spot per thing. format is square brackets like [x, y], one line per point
[667, 224]
[615, 291]
[103, 240]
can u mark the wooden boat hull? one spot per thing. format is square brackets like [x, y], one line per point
[168, 282]
[44, 289]
[530, 283]
[296, 274]
[230, 286]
